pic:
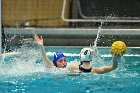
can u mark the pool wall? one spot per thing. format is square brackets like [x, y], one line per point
[75, 37]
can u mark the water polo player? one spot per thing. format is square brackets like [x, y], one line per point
[86, 57]
[59, 59]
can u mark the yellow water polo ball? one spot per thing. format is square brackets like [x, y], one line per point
[119, 48]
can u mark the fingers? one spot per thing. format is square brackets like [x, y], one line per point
[37, 37]
[41, 37]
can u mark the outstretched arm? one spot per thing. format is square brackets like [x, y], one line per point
[46, 60]
[106, 69]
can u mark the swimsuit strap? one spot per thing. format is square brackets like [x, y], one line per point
[84, 70]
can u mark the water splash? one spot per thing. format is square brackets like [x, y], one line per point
[97, 60]
[27, 61]
[23, 62]
[98, 35]
[5, 46]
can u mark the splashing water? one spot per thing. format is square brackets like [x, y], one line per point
[96, 57]
[94, 47]
[24, 62]
[27, 61]
[5, 47]
[98, 33]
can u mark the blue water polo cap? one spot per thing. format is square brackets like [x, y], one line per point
[57, 56]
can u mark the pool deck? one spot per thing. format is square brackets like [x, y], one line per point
[78, 36]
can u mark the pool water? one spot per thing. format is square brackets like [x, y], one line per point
[23, 72]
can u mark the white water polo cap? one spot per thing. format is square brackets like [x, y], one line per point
[86, 55]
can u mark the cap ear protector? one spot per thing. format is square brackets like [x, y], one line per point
[57, 56]
[86, 55]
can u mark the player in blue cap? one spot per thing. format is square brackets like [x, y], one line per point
[59, 58]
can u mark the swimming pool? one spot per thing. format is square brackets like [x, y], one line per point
[23, 72]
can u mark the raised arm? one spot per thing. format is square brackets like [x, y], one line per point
[106, 69]
[47, 62]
